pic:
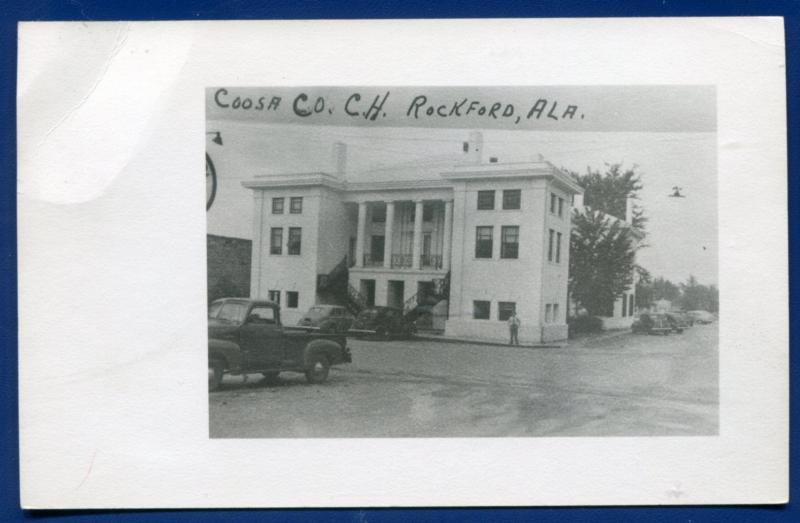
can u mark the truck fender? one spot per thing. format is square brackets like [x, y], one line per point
[227, 351]
[329, 348]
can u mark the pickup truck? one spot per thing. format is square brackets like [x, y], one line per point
[246, 336]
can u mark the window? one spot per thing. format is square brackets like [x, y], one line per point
[485, 200]
[274, 296]
[548, 313]
[505, 309]
[292, 298]
[558, 248]
[261, 314]
[233, 312]
[553, 200]
[550, 245]
[214, 308]
[509, 242]
[277, 206]
[483, 242]
[555, 312]
[427, 212]
[276, 240]
[630, 305]
[379, 214]
[624, 304]
[512, 198]
[295, 238]
[296, 205]
[481, 310]
[561, 207]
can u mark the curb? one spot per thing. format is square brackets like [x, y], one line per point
[471, 341]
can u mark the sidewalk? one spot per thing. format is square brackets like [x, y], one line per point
[430, 336]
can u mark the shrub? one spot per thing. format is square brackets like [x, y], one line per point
[584, 324]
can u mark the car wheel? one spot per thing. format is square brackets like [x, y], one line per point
[215, 371]
[318, 368]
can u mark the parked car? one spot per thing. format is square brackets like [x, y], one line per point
[328, 318]
[384, 322]
[650, 323]
[702, 317]
[679, 321]
[246, 336]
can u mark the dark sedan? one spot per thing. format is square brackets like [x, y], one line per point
[327, 318]
[650, 323]
[384, 322]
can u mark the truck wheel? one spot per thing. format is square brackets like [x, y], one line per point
[215, 371]
[317, 371]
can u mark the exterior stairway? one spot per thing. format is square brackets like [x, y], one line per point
[335, 285]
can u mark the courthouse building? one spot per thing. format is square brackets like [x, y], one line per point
[463, 246]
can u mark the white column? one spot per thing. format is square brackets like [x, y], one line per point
[448, 234]
[362, 225]
[417, 252]
[387, 235]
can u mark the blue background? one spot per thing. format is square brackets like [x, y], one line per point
[287, 9]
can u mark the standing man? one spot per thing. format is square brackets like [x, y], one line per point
[513, 328]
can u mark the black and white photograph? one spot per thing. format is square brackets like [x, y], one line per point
[462, 262]
[431, 263]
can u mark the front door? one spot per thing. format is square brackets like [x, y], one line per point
[261, 339]
[395, 293]
[368, 292]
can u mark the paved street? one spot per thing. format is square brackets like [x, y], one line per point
[617, 384]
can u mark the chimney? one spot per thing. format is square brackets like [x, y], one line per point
[474, 147]
[629, 209]
[339, 159]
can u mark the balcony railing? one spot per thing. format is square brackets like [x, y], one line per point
[405, 261]
[402, 261]
[373, 261]
[430, 261]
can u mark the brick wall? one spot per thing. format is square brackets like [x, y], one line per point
[228, 266]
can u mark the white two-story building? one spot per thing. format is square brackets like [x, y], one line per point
[472, 242]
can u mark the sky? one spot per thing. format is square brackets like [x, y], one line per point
[682, 232]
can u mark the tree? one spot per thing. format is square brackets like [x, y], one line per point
[699, 297]
[603, 246]
[608, 192]
[602, 261]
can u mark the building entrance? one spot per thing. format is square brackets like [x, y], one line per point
[367, 290]
[395, 294]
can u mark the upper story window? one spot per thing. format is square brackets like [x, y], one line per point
[427, 212]
[276, 240]
[551, 245]
[485, 200]
[483, 242]
[553, 203]
[509, 242]
[277, 206]
[561, 207]
[558, 247]
[295, 239]
[512, 199]
[296, 205]
[379, 214]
